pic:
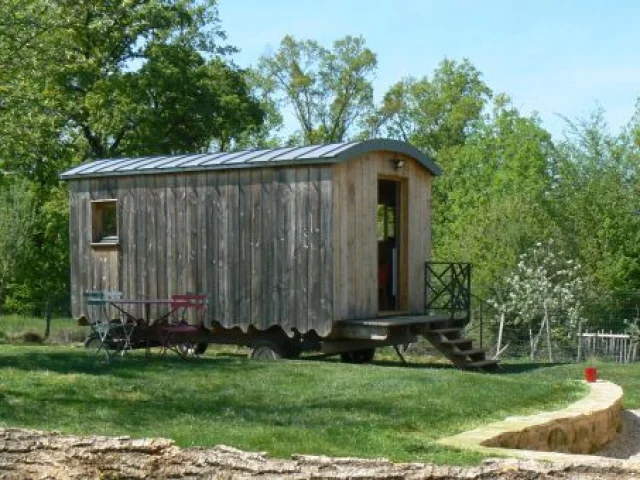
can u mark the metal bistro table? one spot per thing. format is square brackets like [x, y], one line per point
[160, 330]
[120, 303]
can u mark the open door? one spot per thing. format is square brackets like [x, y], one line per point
[389, 245]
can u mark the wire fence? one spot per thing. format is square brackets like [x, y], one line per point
[604, 335]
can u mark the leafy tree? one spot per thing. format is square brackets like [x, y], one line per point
[435, 113]
[329, 90]
[96, 78]
[596, 202]
[17, 222]
[545, 292]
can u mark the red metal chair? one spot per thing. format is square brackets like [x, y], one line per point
[184, 332]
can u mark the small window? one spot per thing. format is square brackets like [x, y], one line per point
[104, 220]
[386, 222]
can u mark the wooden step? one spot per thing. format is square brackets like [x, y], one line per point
[456, 341]
[473, 351]
[444, 331]
[480, 364]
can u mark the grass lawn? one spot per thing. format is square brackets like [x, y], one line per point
[23, 329]
[303, 406]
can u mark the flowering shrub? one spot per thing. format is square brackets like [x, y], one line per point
[544, 294]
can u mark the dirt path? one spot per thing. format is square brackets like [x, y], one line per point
[27, 454]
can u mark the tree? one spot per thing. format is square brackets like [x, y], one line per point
[545, 292]
[329, 90]
[434, 114]
[17, 222]
[97, 78]
[596, 202]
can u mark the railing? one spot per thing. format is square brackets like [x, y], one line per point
[447, 289]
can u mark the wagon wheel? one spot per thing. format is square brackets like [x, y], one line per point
[192, 348]
[358, 356]
[92, 344]
[266, 350]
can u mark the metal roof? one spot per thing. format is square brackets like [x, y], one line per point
[284, 156]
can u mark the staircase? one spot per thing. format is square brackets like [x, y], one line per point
[447, 336]
[448, 298]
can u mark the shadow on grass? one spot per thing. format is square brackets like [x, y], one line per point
[133, 365]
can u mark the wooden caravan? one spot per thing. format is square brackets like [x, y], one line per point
[298, 247]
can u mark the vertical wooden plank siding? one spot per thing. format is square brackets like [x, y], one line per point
[233, 248]
[293, 246]
[283, 263]
[268, 262]
[172, 234]
[314, 273]
[161, 235]
[202, 278]
[151, 239]
[370, 231]
[301, 253]
[257, 276]
[353, 263]
[326, 237]
[182, 234]
[74, 250]
[340, 207]
[244, 247]
[191, 232]
[355, 256]
[212, 229]
[224, 299]
[287, 179]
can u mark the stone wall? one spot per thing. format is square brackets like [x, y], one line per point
[581, 428]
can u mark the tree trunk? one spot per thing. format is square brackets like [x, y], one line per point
[499, 345]
[546, 317]
[47, 316]
[536, 340]
[579, 356]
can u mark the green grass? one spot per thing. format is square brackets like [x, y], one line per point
[305, 406]
[24, 329]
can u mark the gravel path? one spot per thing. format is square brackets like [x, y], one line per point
[627, 444]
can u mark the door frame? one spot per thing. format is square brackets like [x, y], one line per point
[402, 242]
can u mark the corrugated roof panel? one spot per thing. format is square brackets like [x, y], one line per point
[175, 161]
[135, 165]
[335, 152]
[157, 163]
[325, 150]
[216, 159]
[81, 168]
[224, 159]
[246, 156]
[195, 160]
[269, 155]
[105, 166]
[296, 152]
[341, 148]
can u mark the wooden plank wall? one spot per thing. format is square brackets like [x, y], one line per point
[259, 242]
[355, 247]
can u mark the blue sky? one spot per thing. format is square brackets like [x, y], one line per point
[553, 57]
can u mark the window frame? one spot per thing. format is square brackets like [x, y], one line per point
[98, 236]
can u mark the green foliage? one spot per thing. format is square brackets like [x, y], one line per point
[308, 407]
[329, 90]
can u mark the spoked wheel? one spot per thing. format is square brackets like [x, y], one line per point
[358, 356]
[192, 349]
[92, 344]
[266, 350]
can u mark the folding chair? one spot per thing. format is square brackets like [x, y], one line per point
[102, 326]
[183, 330]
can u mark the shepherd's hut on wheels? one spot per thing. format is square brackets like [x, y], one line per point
[323, 247]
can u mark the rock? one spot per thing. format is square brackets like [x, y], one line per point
[28, 454]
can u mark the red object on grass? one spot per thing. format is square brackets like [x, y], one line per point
[591, 374]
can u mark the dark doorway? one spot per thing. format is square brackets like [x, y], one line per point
[388, 244]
